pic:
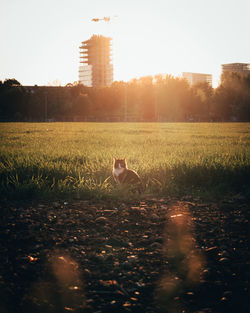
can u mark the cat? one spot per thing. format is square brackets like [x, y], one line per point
[122, 175]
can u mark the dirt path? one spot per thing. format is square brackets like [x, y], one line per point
[157, 255]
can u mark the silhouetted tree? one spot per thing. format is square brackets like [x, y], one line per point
[232, 97]
[203, 98]
[162, 98]
[11, 100]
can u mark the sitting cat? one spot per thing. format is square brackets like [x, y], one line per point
[123, 175]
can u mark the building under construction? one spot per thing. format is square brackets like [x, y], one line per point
[97, 68]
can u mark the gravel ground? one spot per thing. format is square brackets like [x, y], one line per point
[156, 255]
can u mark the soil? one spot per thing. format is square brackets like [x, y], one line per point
[155, 255]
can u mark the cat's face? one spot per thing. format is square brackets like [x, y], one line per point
[120, 163]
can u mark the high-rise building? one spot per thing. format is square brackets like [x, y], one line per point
[236, 67]
[95, 55]
[194, 78]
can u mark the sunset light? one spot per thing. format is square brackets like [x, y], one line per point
[149, 37]
[124, 156]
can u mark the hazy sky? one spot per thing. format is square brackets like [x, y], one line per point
[40, 40]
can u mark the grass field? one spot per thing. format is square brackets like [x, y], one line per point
[65, 160]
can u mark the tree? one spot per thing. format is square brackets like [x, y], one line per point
[203, 92]
[232, 97]
[11, 82]
[11, 99]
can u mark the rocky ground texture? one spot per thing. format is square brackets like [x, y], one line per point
[155, 255]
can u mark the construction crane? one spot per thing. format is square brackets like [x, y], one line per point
[105, 19]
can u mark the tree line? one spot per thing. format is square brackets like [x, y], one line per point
[158, 98]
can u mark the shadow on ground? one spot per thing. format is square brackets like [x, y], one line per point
[157, 255]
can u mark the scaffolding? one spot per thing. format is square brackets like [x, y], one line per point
[97, 68]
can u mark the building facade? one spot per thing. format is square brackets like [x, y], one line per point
[194, 78]
[236, 68]
[95, 56]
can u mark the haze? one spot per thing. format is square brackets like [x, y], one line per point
[40, 39]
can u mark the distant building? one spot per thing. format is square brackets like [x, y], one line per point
[236, 68]
[95, 55]
[194, 78]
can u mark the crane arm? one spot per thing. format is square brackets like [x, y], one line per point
[105, 19]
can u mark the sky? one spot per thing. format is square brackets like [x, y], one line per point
[39, 42]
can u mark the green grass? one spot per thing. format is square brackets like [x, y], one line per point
[64, 160]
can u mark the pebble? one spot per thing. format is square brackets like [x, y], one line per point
[99, 257]
[87, 272]
[223, 299]
[212, 251]
[224, 254]
[101, 219]
[138, 210]
[224, 260]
